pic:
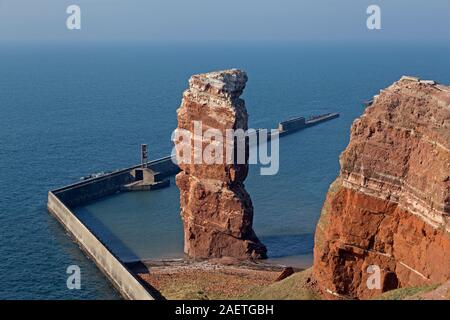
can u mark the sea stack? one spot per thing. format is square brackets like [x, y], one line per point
[389, 209]
[216, 209]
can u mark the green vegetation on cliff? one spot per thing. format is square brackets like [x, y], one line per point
[295, 287]
[406, 293]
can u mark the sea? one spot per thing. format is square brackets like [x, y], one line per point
[69, 110]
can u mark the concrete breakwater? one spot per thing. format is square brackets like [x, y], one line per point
[61, 201]
[299, 123]
[92, 189]
[129, 286]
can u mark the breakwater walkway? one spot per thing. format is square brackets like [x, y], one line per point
[61, 202]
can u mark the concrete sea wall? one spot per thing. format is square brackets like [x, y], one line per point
[92, 189]
[60, 200]
[122, 279]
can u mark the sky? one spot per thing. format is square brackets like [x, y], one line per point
[224, 20]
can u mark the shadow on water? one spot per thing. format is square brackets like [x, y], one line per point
[280, 246]
[118, 248]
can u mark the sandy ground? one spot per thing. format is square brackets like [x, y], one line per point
[211, 279]
[230, 279]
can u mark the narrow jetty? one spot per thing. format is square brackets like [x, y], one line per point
[300, 123]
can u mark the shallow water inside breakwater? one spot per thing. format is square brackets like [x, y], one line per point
[66, 112]
[147, 225]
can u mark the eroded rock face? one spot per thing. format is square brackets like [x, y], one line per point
[390, 206]
[216, 209]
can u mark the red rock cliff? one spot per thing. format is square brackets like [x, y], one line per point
[216, 209]
[390, 206]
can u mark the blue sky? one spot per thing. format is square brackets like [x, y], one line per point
[224, 20]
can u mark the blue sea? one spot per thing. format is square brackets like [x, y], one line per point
[70, 110]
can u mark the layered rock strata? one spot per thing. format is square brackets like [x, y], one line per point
[389, 209]
[216, 209]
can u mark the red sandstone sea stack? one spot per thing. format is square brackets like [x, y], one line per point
[390, 206]
[216, 209]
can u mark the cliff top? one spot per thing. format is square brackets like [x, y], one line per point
[228, 83]
[419, 105]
